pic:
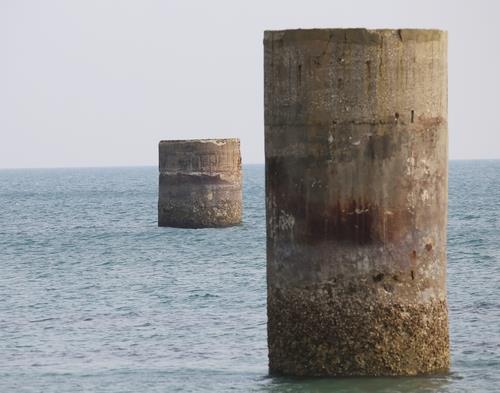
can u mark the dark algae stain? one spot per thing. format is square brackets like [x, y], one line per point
[350, 223]
[181, 178]
[317, 219]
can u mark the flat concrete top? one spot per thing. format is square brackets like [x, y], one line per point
[353, 35]
[215, 140]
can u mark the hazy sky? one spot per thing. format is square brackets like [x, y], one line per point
[100, 82]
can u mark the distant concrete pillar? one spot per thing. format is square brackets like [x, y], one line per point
[356, 193]
[200, 183]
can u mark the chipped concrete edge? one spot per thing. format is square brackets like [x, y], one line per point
[217, 141]
[353, 35]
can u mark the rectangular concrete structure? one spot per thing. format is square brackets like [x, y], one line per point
[356, 199]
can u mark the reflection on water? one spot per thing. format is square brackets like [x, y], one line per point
[359, 385]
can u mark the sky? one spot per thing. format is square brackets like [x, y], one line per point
[100, 82]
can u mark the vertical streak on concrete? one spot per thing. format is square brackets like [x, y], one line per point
[356, 194]
[199, 183]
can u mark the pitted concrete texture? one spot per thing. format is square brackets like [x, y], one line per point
[356, 198]
[326, 331]
[200, 183]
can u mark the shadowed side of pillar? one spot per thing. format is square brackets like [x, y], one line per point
[356, 199]
[200, 183]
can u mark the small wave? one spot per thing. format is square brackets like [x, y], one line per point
[203, 296]
[143, 325]
[43, 320]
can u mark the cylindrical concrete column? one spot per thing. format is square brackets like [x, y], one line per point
[356, 193]
[200, 183]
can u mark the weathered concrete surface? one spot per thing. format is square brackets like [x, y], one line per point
[200, 183]
[356, 194]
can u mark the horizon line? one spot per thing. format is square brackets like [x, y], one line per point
[155, 165]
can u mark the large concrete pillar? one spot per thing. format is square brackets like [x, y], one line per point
[356, 193]
[200, 183]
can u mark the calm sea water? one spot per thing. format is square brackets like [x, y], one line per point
[94, 297]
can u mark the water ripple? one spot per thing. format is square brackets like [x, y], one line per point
[95, 297]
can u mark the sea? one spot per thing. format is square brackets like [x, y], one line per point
[94, 297]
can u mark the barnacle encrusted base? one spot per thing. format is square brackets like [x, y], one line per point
[198, 212]
[320, 332]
